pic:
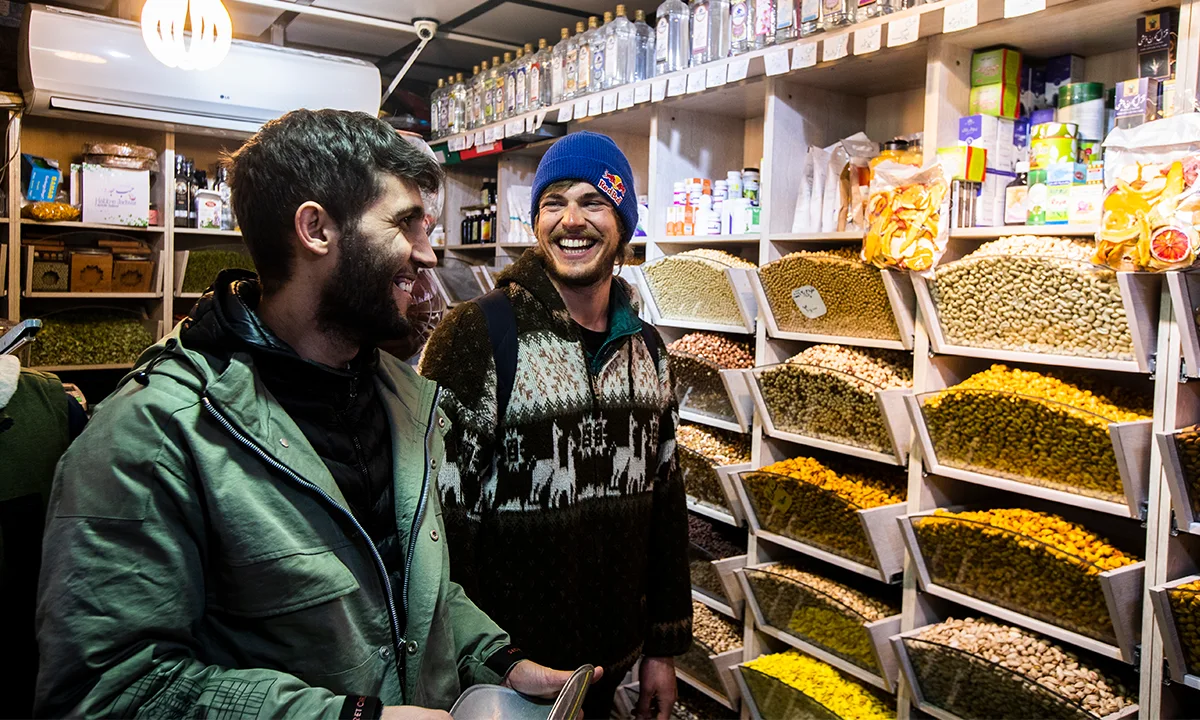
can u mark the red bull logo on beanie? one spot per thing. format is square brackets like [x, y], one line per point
[613, 186]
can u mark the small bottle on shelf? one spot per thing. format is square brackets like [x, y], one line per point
[785, 21]
[539, 77]
[519, 77]
[584, 80]
[701, 28]
[1016, 210]
[764, 23]
[571, 63]
[504, 94]
[718, 29]
[488, 85]
[599, 76]
[739, 26]
[836, 13]
[222, 188]
[181, 192]
[473, 104]
[620, 52]
[643, 68]
[458, 105]
[435, 106]
[672, 47]
[810, 18]
[558, 61]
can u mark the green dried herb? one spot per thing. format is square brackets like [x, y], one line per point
[89, 337]
[204, 265]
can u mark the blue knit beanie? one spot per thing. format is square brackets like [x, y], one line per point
[595, 158]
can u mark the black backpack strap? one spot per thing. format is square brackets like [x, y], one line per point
[650, 337]
[502, 335]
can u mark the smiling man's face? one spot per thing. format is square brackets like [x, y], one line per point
[579, 233]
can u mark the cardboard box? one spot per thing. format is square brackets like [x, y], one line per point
[1137, 102]
[1033, 89]
[963, 163]
[116, 197]
[1061, 70]
[999, 100]
[40, 178]
[1157, 38]
[995, 135]
[1058, 204]
[989, 206]
[1066, 173]
[1095, 172]
[1087, 202]
[996, 66]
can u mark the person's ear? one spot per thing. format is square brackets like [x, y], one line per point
[317, 231]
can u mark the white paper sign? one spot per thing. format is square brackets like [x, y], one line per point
[903, 32]
[868, 40]
[804, 56]
[595, 105]
[564, 114]
[676, 86]
[477, 140]
[500, 132]
[489, 136]
[776, 61]
[641, 94]
[530, 121]
[625, 98]
[718, 76]
[455, 144]
[836, 47]
[739, 68]
[695, 81]
[608, 103]
[514, 128]
[960, 16]
[658, 90]
[581, 109]
[809, 301]
[1016, 8]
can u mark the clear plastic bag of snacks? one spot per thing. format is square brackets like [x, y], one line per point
[908, 214]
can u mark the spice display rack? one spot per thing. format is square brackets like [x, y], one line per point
[1179, 483]
[743, 294]
[1174, 649]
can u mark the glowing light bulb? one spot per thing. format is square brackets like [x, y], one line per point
[211, 32]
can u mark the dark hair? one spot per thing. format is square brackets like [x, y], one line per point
[332, 157]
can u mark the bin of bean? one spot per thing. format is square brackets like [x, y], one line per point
[821, 612]
[829, 392]
[976, 669]
[200, 267]
[828, 292]
[690, 704]
[1031, 294]
[1185, 607]
[91, 336]
[1033, 563]
[823, 505]
[701, 451]
[712, 635]
[708, 543]
[1183, 458]
[694, 286]
[790, 685]
[697, 360]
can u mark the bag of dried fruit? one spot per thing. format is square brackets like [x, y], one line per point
[907, 214]
[1151, 211]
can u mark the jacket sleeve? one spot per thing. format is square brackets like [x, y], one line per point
[122, 584]
[669, 595]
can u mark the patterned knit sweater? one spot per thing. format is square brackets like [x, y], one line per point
[571, 532]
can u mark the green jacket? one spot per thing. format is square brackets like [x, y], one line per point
[200, 560]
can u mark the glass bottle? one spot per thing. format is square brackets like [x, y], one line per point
[571, 64]
[458, 105]
[584, 83]
[475, 99]
[785, 20]
[512, 82]
[810, 17]
[868, 9]
[672, 49]
[700, 32]
[739, 26]
[504, 87]
[222, 188]
[599, 45]
[764, 23]
[643, 67]
[489, 87]
[435, 106]
[836, 13]
[718, 29]
[621, 53]
[522, 103]
[539, 77]
[558, 72]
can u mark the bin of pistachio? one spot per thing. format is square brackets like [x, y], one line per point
[828, 392]
[1185, 610]
[1034, 563]
[977, 669]
[823, 612]
[708, 542]
[1187, 445]
[1033, 294]
[693, 286]
[828, 292]
[1049, 429]
[697, 360]
[90, 336]
[701, 451]
[790, 685]
[712, 634]
[818, 504]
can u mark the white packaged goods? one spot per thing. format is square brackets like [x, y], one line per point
[116, 197]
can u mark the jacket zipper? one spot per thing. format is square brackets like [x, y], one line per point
[379, 566]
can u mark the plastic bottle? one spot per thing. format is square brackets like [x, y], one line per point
[621, 51]
[644, 66]
[740, 21]
[764, 23]
[785, 20]
[558, 71]
[672, 49]
[584, 81]
[836, 13]
[571, 64]
[810, 18]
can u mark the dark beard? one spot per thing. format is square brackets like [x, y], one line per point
[357, 303]
[604, 268]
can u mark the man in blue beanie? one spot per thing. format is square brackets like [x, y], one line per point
[563, 502]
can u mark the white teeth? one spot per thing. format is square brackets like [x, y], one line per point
[405, 285]
[575, 243]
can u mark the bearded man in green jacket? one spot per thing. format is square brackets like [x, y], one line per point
[249, 526]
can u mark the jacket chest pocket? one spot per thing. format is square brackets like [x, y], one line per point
[281, 585]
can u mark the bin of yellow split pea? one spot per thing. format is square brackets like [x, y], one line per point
[977, 669]
[1031, 562]
[790, 685]
[1041, 428]
[697, 360]
[693, 286]
[818, 504]
[701, 451]
[825, 613]
[1185, 607]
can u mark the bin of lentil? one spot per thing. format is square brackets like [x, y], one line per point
[694, 286]
[791, 686]
[1177, 607]
[1031, 294]
[828, 292]
[91, 336]
[708, 543]
[979, 670]
[1034, 563]
[697, 360]
[830, 392]
[713, 635]
[822, 612]
[1049, 429]
[703, 450]
[822, 505]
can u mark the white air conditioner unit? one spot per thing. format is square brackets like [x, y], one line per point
[83, 66]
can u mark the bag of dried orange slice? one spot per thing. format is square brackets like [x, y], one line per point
[1151, 211]
[908, 215]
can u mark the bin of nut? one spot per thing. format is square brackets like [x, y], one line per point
[1033, 563]
[1057, 430]
[790, 685]
[832, 393]
[1181, 455]
[827, 614]
[701, 452]
[694, 286]
[847, 509]
[827, 292]
[977, 669]
[712, 635]
[710, 543]
[91, 336]
[1177, 606]
[690, 704]
[1029, 294]
[697, 360]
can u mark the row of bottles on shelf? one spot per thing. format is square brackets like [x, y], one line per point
[603, 56]
[200, 202]
[478, 225]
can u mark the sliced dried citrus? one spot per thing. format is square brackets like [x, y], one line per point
[1121, 226]
[1171, 245]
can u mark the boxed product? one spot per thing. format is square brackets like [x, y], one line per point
[964, 163]
[1157, 37]
[1167, 98]
[1000, 100]
[1137, 102]
[1033, 89]
[1061, 178]
[1036, 198]
[1043, 116]
[114, 196]
[1066, 173]
[989, 206]
[40, 178]
[995, 135]
[1061, 70]
[996, 66]
[1086, 204]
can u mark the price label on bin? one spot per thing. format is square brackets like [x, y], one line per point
[809, 301]
[1016, 8]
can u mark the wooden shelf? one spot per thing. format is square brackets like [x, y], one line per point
[83, 368]
[91, 295]
[990, 233]
[208, 232]
[713, 603]
[68, 225]
[710, 692]
[471, 248]
[852, 235]
[708, 240]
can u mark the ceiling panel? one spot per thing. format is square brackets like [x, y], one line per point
[519, 24]
[454, 53]
[405, 11]
[598, 7]
[346, 37]
[250, 21]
